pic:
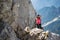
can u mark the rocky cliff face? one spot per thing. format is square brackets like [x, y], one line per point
[17, 14]
[5, 11]
[24, 12]
[20, 11]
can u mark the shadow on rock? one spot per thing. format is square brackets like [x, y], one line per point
[6, 31]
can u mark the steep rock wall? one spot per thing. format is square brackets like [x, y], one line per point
[18, 14]
[25, 12]
[24, 16]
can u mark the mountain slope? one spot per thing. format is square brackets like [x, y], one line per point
[48, 14]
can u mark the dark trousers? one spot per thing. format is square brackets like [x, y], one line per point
[39, 26]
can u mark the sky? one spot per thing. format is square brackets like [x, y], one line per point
[39, 4]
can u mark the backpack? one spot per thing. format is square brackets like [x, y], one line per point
[38, 21]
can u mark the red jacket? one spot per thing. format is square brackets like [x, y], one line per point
[38, 20]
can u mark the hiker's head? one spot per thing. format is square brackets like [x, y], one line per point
[38, 16]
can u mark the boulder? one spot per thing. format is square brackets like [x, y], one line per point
[36, 34]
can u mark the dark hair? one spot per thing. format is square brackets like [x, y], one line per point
[38, 15]
[1, 24]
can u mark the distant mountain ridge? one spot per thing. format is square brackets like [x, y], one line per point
[48, 14]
